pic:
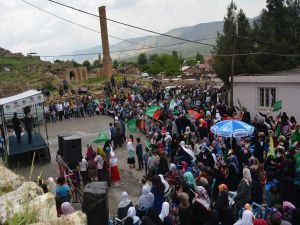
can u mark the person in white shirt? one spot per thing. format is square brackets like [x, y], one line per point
[99, 166]
[83, 170]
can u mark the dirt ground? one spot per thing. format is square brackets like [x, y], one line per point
[88, 129]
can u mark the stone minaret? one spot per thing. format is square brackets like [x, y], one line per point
[107, 62]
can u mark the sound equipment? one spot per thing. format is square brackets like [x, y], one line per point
[60, 142]
[72, 151]
[95, 203]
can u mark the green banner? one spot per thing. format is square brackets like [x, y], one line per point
[276, 106]
[131, 125]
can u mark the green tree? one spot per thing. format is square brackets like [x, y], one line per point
[222, 65]
[96, 64]
[76, 64]
[87, 64]
[115, 64]
[142, 59]
[199, 57]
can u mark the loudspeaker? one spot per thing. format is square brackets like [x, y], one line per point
[60, 142]
[95, 203]
[72, 151]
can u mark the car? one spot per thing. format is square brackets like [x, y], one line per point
[144, 75]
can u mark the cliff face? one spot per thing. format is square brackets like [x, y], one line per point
[24, 201]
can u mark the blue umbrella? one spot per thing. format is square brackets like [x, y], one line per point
[232, 128]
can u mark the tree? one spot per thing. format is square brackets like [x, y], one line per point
[76, 64]
[142, 59]
[276, 32]
[87, 64]
[222, 65]
[199, 57]
[96, 64]
[115, 64]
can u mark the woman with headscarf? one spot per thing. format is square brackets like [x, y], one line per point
[164, 214]
[172, 174]
[91, 168]
[184, 210]
[114, 170]
[130, 152]
[165, 183]
[247, 217]
[51, 185]
[158, 189]
[189, 185]
[146, 200]
[66, 208]
[225, 213]
[201, 211]
[132, 213]
[124, 205]
[243, 192]
[288, 209]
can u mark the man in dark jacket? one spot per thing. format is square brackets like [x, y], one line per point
[17, 127]
[28, 127]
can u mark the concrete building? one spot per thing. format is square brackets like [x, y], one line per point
[258, 92]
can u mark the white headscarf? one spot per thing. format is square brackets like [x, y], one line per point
[247, 176]
[247, 218]
[66, 208]
[124, 200]
[146, 200]
[172, 167]
[203, 197]
[129, 145]
[51, 185]
[167, 186]
[165, 210]
[132, 213]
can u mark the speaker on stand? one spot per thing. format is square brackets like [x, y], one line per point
[72, 150]
[95, 203]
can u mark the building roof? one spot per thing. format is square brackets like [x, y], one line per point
[13, 98]
[290, 76]
[185, 68]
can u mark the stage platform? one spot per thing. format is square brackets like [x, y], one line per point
[38, 145]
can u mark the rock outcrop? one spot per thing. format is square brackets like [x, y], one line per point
[19, 199]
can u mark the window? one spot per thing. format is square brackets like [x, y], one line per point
[267, 96]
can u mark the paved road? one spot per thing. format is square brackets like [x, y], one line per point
[88, 129]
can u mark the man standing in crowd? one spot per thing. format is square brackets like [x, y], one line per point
[28, 127]
[17, 127]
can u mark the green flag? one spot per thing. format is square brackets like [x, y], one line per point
[148, 144]
[151, 110]
[101, 138]
[271, 152]
[131, 125]
[298, 160]
[176, 112]
[173, 104]
[276, 106]
[205, 107]
[295, 137]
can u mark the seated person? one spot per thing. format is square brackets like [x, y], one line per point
[124, 205]
[146, 200]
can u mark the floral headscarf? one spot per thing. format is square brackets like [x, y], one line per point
[203, 197]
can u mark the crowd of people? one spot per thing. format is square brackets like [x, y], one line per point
[197, 177]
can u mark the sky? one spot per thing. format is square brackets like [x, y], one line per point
[24, 28]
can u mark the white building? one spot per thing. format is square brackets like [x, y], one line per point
[258, 92]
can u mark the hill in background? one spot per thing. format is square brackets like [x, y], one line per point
[196, 32]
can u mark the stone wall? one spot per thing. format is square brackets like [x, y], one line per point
[18, 197]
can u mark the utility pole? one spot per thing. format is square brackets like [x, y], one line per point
[234, 36]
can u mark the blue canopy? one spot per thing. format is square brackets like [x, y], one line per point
[232, 128]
